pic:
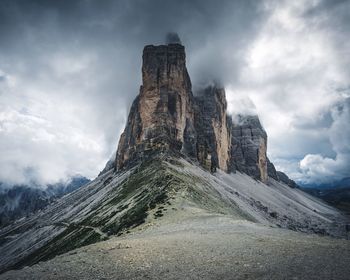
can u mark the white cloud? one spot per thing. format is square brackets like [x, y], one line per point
[49, 133]
[293, 74]
[29, 142]
[316, 168]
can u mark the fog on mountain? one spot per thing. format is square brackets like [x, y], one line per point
[172, 38]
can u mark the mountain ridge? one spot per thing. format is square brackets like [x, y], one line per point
[22, 200]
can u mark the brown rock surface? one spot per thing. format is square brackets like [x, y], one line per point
[163, 112]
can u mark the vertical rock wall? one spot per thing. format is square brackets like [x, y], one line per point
[248, 147]
[213, 142]
[165, 97]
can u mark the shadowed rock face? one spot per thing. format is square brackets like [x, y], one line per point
[213, 135]
[166, 117]
[248, 147]
[284, 178]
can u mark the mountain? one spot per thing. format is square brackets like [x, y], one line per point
[336, 184]
[21, 201]
[336, 193]
[167, 117]
[338, 197]
[184, 171]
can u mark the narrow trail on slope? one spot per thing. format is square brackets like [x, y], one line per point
[96, 229]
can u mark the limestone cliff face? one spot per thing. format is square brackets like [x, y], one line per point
[166, 118]
[165, 97]
[162, 116]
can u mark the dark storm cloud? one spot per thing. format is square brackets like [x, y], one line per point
[72, 68]
[172, 38]
[129, 25]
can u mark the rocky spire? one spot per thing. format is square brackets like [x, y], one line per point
[162, 116]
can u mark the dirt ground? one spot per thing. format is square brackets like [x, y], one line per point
[201, 246]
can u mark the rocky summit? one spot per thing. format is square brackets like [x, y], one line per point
[167, 117]
[190, 194]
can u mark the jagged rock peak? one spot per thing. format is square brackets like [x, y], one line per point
[161, 117]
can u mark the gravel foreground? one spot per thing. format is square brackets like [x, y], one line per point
[201, 246]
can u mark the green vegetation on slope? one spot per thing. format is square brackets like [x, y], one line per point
[154, 184]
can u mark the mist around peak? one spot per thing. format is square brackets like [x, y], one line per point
[172, 38]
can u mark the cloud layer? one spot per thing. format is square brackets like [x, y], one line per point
[69, 71]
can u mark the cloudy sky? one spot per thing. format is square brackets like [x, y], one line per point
[70, 69]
